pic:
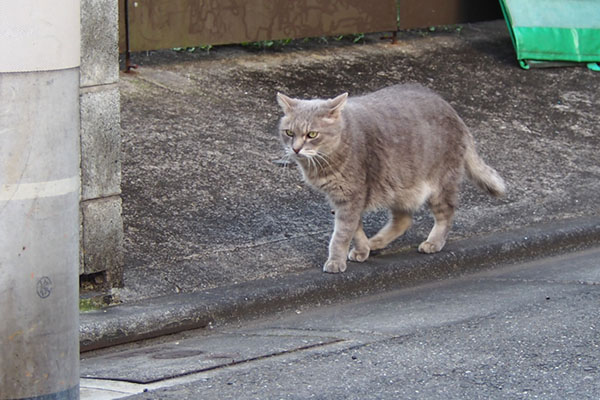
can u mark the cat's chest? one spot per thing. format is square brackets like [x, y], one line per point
[335, 185]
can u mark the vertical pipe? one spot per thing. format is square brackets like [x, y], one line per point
[127, 52]
[39, 199]
[128, 64]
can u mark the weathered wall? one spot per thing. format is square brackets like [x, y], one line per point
[102, 226]
[426, 13]
[159, 24]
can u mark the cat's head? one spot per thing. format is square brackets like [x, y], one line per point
[311, 128]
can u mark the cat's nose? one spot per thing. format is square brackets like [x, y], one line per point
[297, 150]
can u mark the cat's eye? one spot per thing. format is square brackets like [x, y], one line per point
[312, 134]
[289, 133]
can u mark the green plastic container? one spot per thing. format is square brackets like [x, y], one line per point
[554, 32]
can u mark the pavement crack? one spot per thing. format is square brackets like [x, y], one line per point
[243, 361]
[548, 281]
[246, 246]
[160, 85]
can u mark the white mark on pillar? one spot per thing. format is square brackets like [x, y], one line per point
[29, 191]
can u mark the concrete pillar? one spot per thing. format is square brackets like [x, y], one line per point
[102, 235]
[39, 199]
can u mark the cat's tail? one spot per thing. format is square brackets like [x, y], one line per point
[484, 176]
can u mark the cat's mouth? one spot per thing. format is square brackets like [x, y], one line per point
[302, 155]
[306, 153]
[311, 159]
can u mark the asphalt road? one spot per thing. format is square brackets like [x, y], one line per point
[525, 331]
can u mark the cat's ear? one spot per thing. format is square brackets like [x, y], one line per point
[286, 103]
[336, 105]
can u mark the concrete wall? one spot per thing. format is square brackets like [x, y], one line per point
[102, 226]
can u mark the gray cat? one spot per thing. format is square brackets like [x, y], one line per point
[396, 148]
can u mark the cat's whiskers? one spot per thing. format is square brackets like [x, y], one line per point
[311, 163]
[286, 163]
[322, 160]
[312, 160]
[316, 163]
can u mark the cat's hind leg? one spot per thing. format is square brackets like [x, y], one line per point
[398, 223]
[442, 206]
[361, 249]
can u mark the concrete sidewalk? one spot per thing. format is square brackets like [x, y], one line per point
[208, 213]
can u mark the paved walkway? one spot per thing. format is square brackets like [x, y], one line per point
[204, 205]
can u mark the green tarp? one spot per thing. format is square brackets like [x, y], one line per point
[549, 31]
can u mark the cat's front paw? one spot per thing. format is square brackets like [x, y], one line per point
[334, 266]
[359, 256]
[429, 247]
